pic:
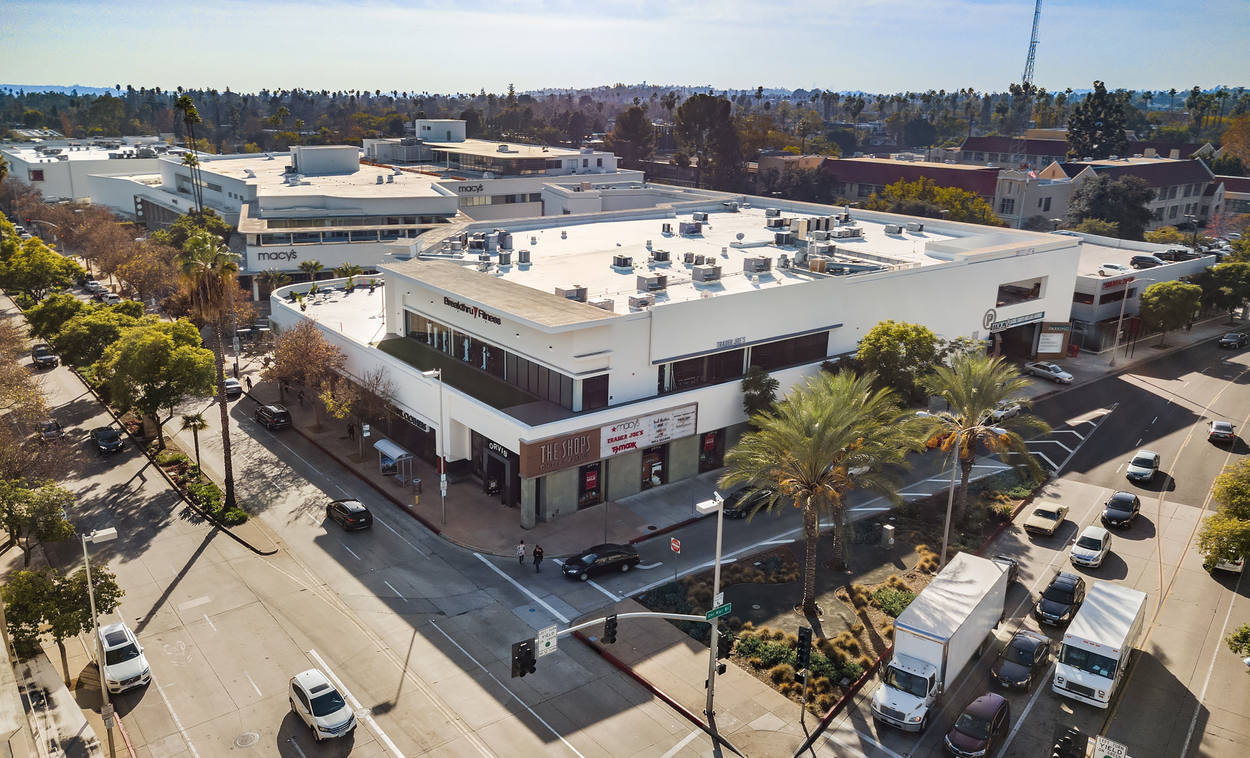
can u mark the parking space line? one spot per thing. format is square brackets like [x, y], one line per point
[1050, 442]
[298, 749]
[1071, 431]
[401, 597]
[177, 722]
[525, 591]
[356, 706]
[1051, 463]
[1214, 653]
[675, 749]
[253, 683]
[348, 549]
[866, 738]
[1041, 685]
[377, 520]
[209, 621]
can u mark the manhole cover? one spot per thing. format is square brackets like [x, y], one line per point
[755, 607]
[652, 527]
[247, 739]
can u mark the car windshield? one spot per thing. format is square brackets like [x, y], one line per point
[107, 435]
[1089, 543]
[327, 703]
[1143, 461]
[973, 726]
[587, 558]
[1090, 663]
[121, 654]
[1057, 594]
[912, 684]
[1049, 513]
[1020, 651]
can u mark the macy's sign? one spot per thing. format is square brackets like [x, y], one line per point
[277, 255]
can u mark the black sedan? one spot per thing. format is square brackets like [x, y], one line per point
[743, 502]
[1061, 599]
[1026, 655]
[1121, 509]
[350, 514]
[1234, 340]
[106, 439]
[43, 357]
[599, 559]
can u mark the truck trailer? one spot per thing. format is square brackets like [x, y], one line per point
[1096, 647]
[948, 625]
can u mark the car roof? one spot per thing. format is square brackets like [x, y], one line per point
[1063, 578]
[1030, 636]
[312, 679]
[986, 705]
[103, 429]
[1053, 507]
[608, 547]
[1228, 424]
[275, 408]
[115, 635]
[1096, 532]
[1121, 495]
[1144, 451]
[352, 504]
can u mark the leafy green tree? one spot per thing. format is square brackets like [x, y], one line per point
[1120, 201]
[177, 234]
[632, 136]
[26, 594]
[973, 386]
[1239, 641]
[1099, 227]
[33, 516]
[35, 268]
[924, 197]
[899, 354]
[759, 391]
[704, 127]
[1231, 491]
[1225, 285]
[68, 610]
[48, 316]
[804, 453]
[1096, 127]
[1223, 538]
[82, 340]
[1167, 305]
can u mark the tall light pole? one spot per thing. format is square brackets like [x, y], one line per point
[97, 537]
[1193, 223]
[440, 442]
[717, 505]
[1119, 322]
[950, 496]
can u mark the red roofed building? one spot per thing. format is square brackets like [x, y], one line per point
[857, 178]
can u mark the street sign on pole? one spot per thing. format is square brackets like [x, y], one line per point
[547, 641]
[719, 599]
[364, 430]
[718, 611]
[106, 711]
[1105, 748]
[675, 544]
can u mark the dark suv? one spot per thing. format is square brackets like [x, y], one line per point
[106, 439]
[1145, 261]
[43, 357]
[273, 417]
[1061, 599]
[601, 558]
[350, 514]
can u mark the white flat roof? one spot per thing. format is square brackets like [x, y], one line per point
[270, 177]
[488, 148]
[78, 153]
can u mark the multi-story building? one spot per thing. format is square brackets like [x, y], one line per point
[858, 178]
[1183, 188]
[1236, 194]
[1037, 149]
[59, 168]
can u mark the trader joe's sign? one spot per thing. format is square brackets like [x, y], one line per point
[645, 431]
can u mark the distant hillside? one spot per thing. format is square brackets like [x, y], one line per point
[79, 88]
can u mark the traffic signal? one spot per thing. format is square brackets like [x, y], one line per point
[724, 644]
[803, 654]
[609, 630]
[523, 661]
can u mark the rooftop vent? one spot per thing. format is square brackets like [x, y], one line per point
[652, 282]
[700, 216]
[573, 292]
[757, 263]
[706, 273]
[915, 226]
[606, 303]
[523, 257]
[660, 256]
[622, 261]
[690, 227]
[893, 229]
[641, 301]
[379, 181]
[666, 228]
[772, 212]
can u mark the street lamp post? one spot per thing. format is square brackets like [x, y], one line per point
[717, 505]
[1193, 223]
[440, 441]
[950, 497]
[1119, 322]
[106, 710]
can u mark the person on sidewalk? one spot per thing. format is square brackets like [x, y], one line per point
[247, 380]
[538, 558]
[301, 398]
[351, 431]
[520, 553]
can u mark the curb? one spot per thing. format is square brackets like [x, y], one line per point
[664, 530]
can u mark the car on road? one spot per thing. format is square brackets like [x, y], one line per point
[124, 664]
[1121, 509]
[234, 389]
[600, 559]
[1061, 599]
[1114, 269]
[742, 502]
[1022, 658]
[50, 431]
[1146, 261]
[273, 417]
[350, 513]
[1045, 519]
[1221, 431]
[1004, 410]
[95, 287]
[1091, 548]
[981, 728]
[1143, 466]
[320, 705]
[43, 357]
[1047, 370]
[106, 439]
[1234, 340]
[111, 298]
[1010, 565]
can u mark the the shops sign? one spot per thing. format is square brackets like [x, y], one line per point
[472, 310]
[998, 326]
[557, 453]
[277, 255]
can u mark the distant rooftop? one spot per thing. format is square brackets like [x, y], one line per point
[488, 148]
[269, 173]
[100, 151]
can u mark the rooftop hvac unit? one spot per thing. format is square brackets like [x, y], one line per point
[915, 226]
[893, 229]
[690, 227]
[573, 292]
[666, 228]
[817, 264]
[492, 242]
[799, 226]
[379, 180]
[820, 235]
[826, 222]
[641, 301]
[783, 239]
[523, 256]
[700, 216]
[758, 263]
[660, 256]
[848, 232]
[483, 258]
[800, 257]
[622, 261]
[505, 240]
[772, 212]
[699, 260]
[687, 258]
[706, 273]
[652, 282]
[390, 179]
[505, 258]
[606, 303]
[731, 206]
[783, 261]
[777, 223]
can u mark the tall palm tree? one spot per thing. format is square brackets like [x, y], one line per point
[208, 270]
[190, 117]
[195, 422]
[974, 387]
[828, 436]
[273, 278]
[312, 267]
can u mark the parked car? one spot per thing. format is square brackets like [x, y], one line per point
[1235, 567]
[1113, 269]
[1143, 466]
[1051, 371]
[111, 298]
[320, 706]
[981, 728]
[1091, 548]
[601, 558]
[1177, 254]
[1010, 565]
[1221, 431]
[94, 286]
[234, 389]
[273, 417]
[1145, 261]
[742, 502]
[1026, 654]
[50, 431]
[106, 439]
[124, 664]
[350, 513]
[1045, 519]
[1061, 599]
[1004, 410]
[43, 357]
[1234, 340]
[1121, 509]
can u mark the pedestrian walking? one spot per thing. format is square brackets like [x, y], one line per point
[247, 380]
[538, 558]
[351, 431]
[520, 553]
[301, 398]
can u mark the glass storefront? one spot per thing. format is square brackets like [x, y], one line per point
[655, 466]
[497, 468]
[590, 484]
[711, 450]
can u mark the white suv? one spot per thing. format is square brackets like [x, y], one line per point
[124, 664]
[320, 706]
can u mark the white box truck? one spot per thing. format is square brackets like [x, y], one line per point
[1094, 654]
[945, 627]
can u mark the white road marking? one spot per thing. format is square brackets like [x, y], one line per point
[864, 737]
[505, 687]
[365, 717]
[397, 592]
[1152, 423]
[174, 716]
[1050, 442]
[645, 566]
[1071, 431]
[1024, 714]
[253, 683]
[1139, 439]
[1119, 468]
[778, 542]
[1049, 461]
[195, 603]
[209, 621]
[348, 549]
[298, 749]
[1207, 681]
[377, 520]
[523, 590]
[910, 494]
[595, 584]
[675, 749]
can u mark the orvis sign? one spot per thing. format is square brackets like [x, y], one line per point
[472, 310]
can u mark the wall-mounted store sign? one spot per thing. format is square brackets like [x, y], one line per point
[557, 453]
[1117, 282]
[568, 450]
[469, 189]
[276, 255]
[472, 310]
[998, 326]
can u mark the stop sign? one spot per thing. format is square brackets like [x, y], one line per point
[675, 544]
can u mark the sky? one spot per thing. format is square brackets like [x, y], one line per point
[444, 46]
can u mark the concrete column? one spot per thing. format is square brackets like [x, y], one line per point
[683, 458]
[529, 508]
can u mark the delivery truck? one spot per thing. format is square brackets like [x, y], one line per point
[1094, 654]
[948, 625]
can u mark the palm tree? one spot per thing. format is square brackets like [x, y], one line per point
[826, 437]
[208, 270]
[190, 116]
[312, 267]
[195, 422]
[274, 278]
[974, 387]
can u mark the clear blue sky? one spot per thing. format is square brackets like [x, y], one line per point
[449, 46]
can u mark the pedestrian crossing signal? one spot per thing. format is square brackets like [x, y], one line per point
[609, 630]
[523, 661]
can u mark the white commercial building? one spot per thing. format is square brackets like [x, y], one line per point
[59, 168]
[590, 357]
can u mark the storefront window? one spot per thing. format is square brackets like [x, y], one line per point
[590, 484]
[595, 393]
[711, 450]
[794, 351]
[654, 466]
